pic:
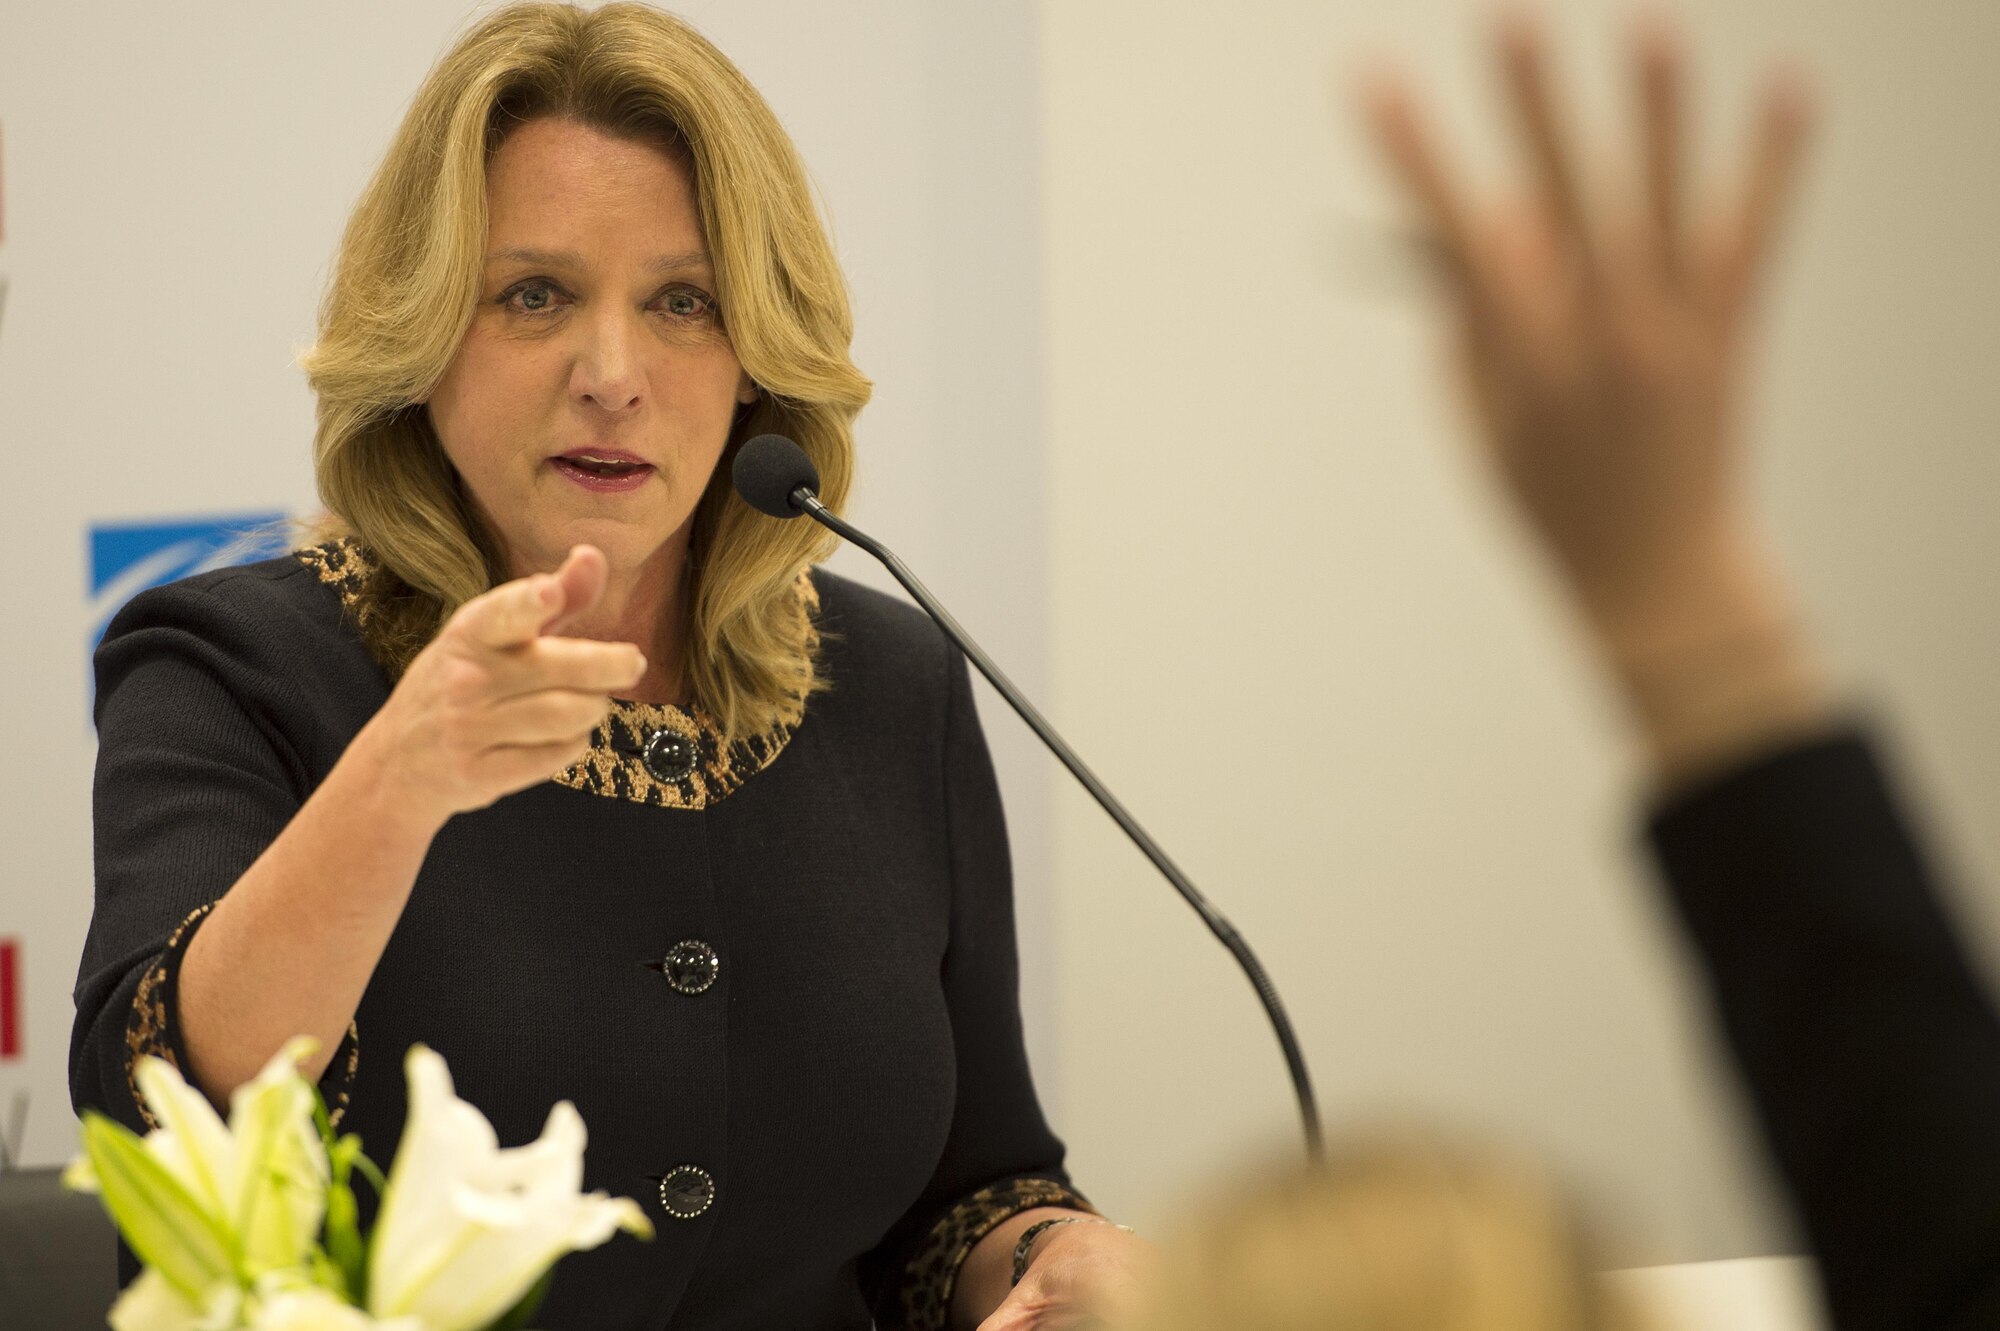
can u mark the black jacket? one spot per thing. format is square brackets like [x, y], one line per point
[1871, 1051]
[829, 1075]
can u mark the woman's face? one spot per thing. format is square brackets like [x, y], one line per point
[595, 388]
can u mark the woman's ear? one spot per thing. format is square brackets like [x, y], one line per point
[746, 388]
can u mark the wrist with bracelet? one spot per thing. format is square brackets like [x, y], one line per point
[1024, 1247]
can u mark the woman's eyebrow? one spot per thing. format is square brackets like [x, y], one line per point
[679, 263]
[665, 263]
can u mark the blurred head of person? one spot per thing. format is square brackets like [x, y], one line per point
[589, 266]
[1398, 1230]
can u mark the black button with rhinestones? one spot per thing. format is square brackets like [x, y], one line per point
[690, 966]
[686, 1192]
[668, 755]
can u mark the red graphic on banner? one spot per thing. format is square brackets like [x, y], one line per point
[10, 998]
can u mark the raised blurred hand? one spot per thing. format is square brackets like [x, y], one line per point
[1604, 332]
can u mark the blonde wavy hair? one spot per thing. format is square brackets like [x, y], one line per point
[406, 282]
[1397, 1229]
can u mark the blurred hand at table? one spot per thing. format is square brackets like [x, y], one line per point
[1398, 1229]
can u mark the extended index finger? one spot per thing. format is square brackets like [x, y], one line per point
[512, 613]
[582, 664]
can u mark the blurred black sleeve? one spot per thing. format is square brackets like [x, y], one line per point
[1871, 1050]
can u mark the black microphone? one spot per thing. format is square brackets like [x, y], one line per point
[775, 476]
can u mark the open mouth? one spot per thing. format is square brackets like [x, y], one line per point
[591, 467]
[604, 466]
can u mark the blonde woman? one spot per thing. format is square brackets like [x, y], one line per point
[555, 756]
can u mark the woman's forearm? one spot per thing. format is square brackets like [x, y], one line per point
[490, 707]
[290, 948]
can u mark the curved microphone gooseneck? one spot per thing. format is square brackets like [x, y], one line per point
[774, 476]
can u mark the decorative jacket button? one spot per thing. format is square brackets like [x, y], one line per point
[669, 755]
[686, 1191]
[690, 966]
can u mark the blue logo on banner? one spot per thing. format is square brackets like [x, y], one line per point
[128, 557]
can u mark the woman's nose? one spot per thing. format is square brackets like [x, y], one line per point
[606, 370]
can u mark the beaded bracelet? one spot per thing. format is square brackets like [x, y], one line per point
[1026, 1243]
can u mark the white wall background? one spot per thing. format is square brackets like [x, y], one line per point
[1112, 264]
[1288, 623]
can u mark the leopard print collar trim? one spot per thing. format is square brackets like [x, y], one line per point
[647, 753]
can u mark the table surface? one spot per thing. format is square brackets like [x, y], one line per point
[1747, 1294]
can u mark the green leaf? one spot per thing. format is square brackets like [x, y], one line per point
[518, 1317]
[159, 1218]
[341, 1152]
[342, 1226]
[322, 1119]
[343, 1241]
[278, 1199]
[370, 1171]
[327, 1275]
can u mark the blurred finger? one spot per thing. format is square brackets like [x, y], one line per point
[1524, 63]
[512, 613]
[570, 663]
[1660, 114]
[549, 716]
[1783, 126]
[1407, 143]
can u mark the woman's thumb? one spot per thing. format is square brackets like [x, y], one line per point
[581, 578]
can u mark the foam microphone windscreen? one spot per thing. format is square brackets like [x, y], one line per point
[767, 470]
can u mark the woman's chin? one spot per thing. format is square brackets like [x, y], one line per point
[628, 546]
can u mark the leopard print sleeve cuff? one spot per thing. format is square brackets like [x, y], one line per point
[923, 1300]
[153, 1028]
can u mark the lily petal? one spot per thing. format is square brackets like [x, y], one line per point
[317, 1310]
[444, 1140]
[467, 1228]
[489, 1275]
[162, 1222]
[78, 1176]
[191, 1140]
[151, 1303]
[277, 1188]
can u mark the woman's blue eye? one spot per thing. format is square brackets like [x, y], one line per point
[540, 297]
[530, 297]
[687, 303]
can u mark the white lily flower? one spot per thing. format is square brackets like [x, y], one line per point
[204, 1204]
[151, 1303]
[264, 1176]
[311, 1309]
[280, 1171]
[465, 1228]
[281, 1301]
